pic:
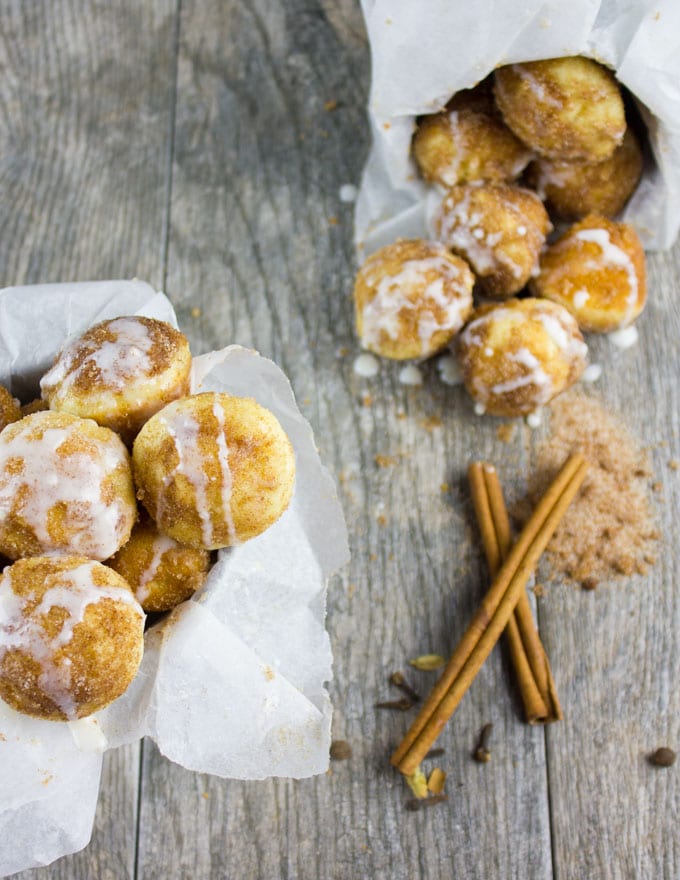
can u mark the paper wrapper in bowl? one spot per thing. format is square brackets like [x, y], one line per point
[232, 681]
[424, 52]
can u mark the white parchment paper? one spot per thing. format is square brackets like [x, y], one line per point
[423, 52]
[232, 682]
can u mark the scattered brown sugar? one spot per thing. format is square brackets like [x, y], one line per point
[609, 530]
[506, 432]
[674, 464]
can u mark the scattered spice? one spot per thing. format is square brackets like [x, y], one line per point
[436, 780]
[196, 312]
[415, 805]
[340, 750]
[481, 753]
[506, 432]
[609, 530]
[331, 105]
[384, 461]
[674, 464]
[402, 705]
[332, 221]
[428, 662]
[538, 590]
[663, 757]
[398, 680]
[434, 753]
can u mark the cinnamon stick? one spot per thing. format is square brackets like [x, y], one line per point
[537, 688]
[491, 618]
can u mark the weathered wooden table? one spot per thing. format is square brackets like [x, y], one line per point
[201, 146]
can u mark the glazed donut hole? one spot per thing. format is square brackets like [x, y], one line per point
[10, 408]
[516, 356]
[573, 190]
[563, 108]
[468, 141]
[120, 372]
[411, 297]
[213, 470]
[596, 270]
[71, 636]
[65, 488]
[498, 229]
[160, 572]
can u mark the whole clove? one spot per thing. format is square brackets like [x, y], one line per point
[416, 804]
[402, 705]
[482, 753]
[398, 680]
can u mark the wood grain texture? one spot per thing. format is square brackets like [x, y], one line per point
[235, 193]
[86, 107]
[261, 244]
[616, 649]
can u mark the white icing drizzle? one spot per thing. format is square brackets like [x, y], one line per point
[612, 255]
[47, 478]
[439, 304]
[161, 544]
[591, 373]
[88, 735]
[225, 472]
[118, 361]
[410, 375]
[535, 86]
[184, 431]
[366, 365]
[348, 193]
[580, 298]
[462, 228]
[625, 337]
[74, 591]
[449, 174]
[535, 418]
[449, 370]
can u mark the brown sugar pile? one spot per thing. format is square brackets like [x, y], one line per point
[609, 529]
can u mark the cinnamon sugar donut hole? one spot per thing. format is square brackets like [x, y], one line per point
[468, 141]
[564, 108]
[596, 270]
[65, 487]
[213, 470]
[71, 636]
[120, 372]
[575, 189]
[498, 229]
[10, 408]
[161, 572]
[411, 297]
[516, 356]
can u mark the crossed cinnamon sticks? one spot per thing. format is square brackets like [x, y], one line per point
[497, 609]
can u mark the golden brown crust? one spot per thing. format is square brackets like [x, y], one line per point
[120, 372]
[468, 141]
[575, 189]
[65, 487]
[518, 355]
[161, 572]
[71, 636]
[411, 298]
[564, 108]
[231, 479]
[499, 229]
[10, 409]
[596, 270]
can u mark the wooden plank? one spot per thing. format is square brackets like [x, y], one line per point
[85, 102]
[615, 650]
[261, 244]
